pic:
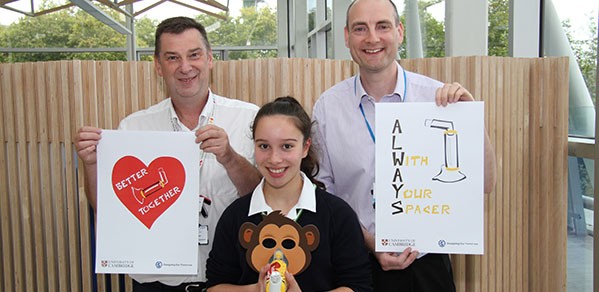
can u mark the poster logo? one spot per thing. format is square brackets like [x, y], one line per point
[120, 264]
[403, 242]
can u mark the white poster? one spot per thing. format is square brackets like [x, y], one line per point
[429, 177]
[148, 204]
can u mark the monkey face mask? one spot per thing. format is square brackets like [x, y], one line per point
[277, 232]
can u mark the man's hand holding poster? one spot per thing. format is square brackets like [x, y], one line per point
[429, 177]
[148, 203]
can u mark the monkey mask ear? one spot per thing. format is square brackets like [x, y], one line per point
[248, 238]
[246, 235]
[312, 236]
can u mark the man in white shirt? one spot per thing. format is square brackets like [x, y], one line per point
[222, 127]
[344, 116]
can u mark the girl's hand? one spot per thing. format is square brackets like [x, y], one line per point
[292, 285]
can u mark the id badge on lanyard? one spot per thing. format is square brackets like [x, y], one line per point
[205, 203]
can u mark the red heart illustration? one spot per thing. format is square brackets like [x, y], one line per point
[148, 191]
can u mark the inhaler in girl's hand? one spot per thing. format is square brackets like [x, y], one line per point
[275, 277]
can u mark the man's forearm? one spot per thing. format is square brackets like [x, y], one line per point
[243, 174]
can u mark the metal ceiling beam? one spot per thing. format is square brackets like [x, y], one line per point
[90, 8]
[136, 13]
[207, 2]
[50, 10]
[115, 7]
[100, 15]
[215, 4]
[33, 14]
[16, 10]
[127, 2]
[199, 9]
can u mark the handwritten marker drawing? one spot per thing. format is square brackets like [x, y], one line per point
[450, 171]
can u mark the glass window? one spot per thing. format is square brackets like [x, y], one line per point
[433, 28]
[329, 38]
[311, 4]
[580, 224]
[571, 30]
[577, 39]
[424, 31]
[499, 15]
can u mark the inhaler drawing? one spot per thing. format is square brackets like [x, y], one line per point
[140, 194]
[450, 172]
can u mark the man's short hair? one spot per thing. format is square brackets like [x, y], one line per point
[177, 25]
[395, 14]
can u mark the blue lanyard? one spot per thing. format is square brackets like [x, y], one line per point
[402, 98]
[367, 123]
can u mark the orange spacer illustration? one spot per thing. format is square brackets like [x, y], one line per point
[450, 171]
[141, 193]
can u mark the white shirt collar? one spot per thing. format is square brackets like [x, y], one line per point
[307, 200]
[397, 92]
[204, 115]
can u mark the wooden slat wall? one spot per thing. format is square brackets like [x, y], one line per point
[47, 228]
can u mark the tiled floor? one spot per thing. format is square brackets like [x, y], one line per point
[580, 263]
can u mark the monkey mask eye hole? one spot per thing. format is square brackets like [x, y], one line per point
[269, 243]
[288, 243]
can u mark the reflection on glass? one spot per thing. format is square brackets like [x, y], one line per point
[571, 30]
[577, 26]
[580, 224]
[311, 4]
